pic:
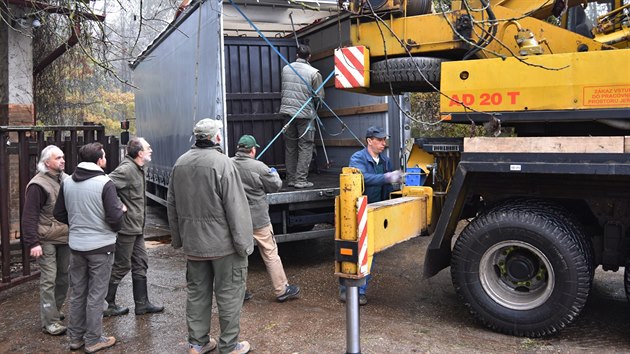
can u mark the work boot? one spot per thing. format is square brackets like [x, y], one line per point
[54, 329]
[112, 308]
[202, 349]
[141, 298]
[76, 344]
[248, 295]
[303, 184]
[362, 299]
[101, 343]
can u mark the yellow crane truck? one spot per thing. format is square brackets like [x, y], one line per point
[540, 208]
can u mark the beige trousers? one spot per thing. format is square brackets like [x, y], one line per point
[269, 253]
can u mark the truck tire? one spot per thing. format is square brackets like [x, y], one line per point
[418, 7]
[409, 74]
[523, 268]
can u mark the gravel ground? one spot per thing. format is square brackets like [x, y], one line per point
[405, 314]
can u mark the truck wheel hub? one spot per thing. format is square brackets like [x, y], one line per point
[521, 266]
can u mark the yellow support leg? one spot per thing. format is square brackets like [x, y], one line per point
[389, 222]
[351, 188]
[394, 221]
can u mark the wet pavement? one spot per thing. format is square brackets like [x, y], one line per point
[405, 314]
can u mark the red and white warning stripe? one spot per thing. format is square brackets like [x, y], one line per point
[362, 235]
[350, 66]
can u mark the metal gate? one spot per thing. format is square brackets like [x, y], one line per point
[19, 151]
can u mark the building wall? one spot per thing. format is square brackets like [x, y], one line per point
[16, 96]
[16, 69]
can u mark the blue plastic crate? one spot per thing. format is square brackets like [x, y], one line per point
[415, 177]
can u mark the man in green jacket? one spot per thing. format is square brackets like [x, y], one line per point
[258, 180]
[131, 253]
[206, 204]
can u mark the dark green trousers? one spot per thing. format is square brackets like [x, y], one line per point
[226, 277]
[53, 281]
[299, 141]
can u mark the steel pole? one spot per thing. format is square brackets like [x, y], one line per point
[353, 325]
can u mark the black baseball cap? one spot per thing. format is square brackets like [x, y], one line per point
[376, 132]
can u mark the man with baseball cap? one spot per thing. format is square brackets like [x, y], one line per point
[205, 206]
[378, 178]
[258, 180]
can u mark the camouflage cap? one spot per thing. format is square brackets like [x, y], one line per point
[207, 128]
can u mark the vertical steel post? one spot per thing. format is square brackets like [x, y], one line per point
[5, 248]
[353, 323]
[24, 169]
[351, 188]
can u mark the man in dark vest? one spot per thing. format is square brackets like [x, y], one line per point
[46, 238]
[88, 203]
[299, 137]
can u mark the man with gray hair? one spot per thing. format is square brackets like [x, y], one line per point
[131, 253]
[206, 203]
[46, 238]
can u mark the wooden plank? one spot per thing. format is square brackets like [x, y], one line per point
[327, 53]
[587, 144]
[350, 111]
[322, 55]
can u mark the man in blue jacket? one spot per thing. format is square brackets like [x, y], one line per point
[377, 177]
[375, 166]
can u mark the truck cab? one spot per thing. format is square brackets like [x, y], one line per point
[523, 215]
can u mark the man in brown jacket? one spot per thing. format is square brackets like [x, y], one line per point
[131, 253]
[258, 180]
[47, 238]
[205, 205]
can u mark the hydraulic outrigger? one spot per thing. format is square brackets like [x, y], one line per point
[362, 229]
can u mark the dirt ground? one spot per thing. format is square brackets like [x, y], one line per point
[405, 314]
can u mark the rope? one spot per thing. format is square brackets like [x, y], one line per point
[313, 92]
[284, 128]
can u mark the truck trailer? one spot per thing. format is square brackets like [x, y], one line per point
[211, 63]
